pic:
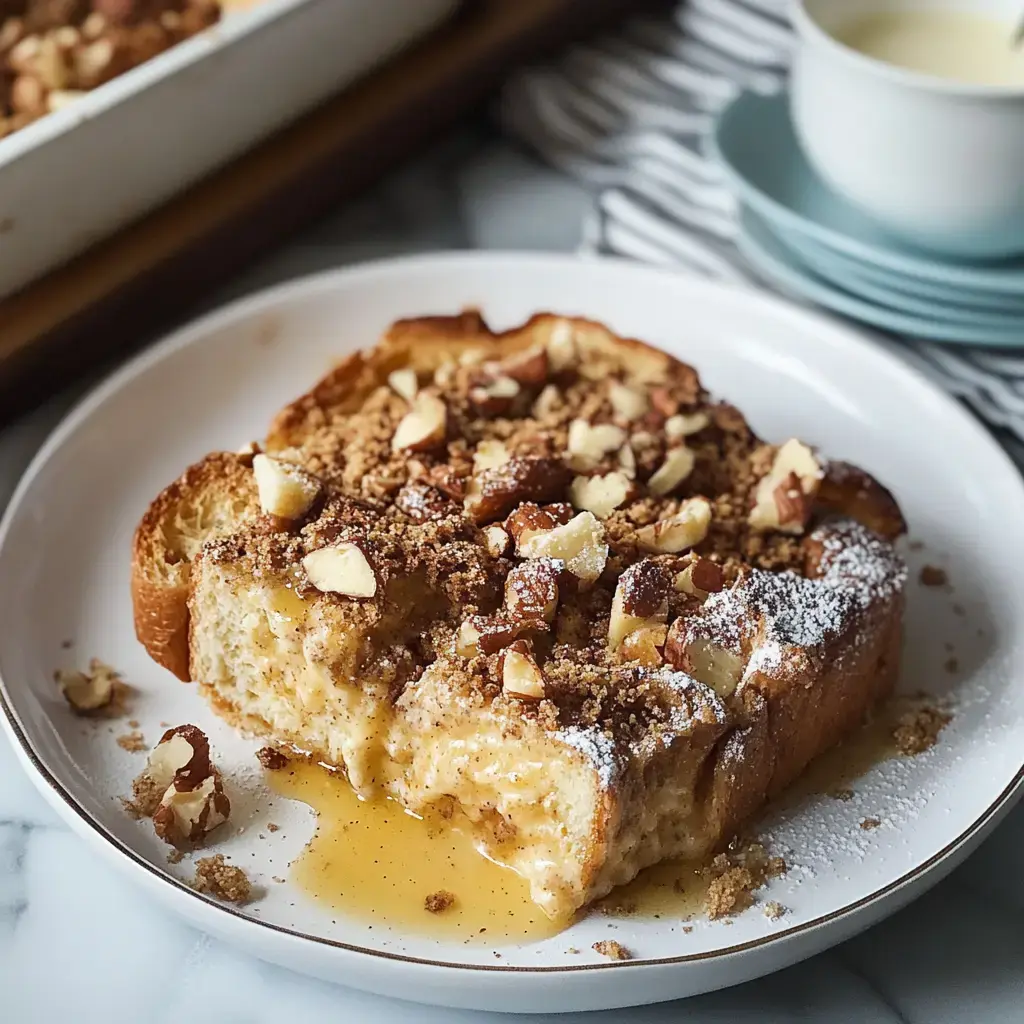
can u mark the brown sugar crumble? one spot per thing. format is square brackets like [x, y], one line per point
[933, 576]
[773, 910]
[217, 878]
[175, 856]
[841, 794]
[612, 949]
[736, 875]
[134, 742]
[271, 827]
[145, 799]
[687, 928]
[870, 823]
[918, 730]
[272, 759]
[440, 901]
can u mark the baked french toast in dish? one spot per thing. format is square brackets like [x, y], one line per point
[537, 579]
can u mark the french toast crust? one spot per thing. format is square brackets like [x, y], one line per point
[160, 569]
[653, 729]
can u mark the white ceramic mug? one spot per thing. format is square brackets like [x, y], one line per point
[937, 162]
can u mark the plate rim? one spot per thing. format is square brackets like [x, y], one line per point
[248, 306]
[923, 266]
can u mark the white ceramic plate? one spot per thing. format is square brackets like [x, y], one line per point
[64, 575]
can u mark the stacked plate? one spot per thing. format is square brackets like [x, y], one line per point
[806, 240]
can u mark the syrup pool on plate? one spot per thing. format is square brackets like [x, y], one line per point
[375, 862]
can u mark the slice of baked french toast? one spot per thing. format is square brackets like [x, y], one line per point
[535, 579]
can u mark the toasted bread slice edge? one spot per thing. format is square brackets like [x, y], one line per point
[187, 513]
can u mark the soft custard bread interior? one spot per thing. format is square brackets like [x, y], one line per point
[536, 580]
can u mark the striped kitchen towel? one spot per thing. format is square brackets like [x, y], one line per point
[628, 115]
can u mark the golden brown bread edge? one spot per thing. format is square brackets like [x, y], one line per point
[161, 561]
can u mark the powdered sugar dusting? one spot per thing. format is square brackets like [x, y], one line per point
[785, 610]
[599, 748]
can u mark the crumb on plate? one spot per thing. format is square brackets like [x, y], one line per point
[612, 949]
[217, 878]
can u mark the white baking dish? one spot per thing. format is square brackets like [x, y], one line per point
[77, 175]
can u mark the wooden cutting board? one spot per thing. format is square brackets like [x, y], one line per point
[114, 297]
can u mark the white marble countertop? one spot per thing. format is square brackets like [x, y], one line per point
[80, 944]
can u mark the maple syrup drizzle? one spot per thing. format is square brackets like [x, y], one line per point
[376, 862]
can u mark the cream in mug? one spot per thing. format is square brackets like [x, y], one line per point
[958, 45]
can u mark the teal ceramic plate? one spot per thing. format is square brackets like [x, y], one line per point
[879, 291]
[755, 144]
[781, 267]
[857, 275]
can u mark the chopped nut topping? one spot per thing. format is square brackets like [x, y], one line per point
[285, 490]
[342, 569]
[520, 675]
[700, 578]
[641, 600]
[493, 493]
[531, 590]
[678, 465]
[589, 444]
[482, 634]
[547, 402]
[785, 497]
[404, 383]
[681, 425]
[497, 540]
[684, 530]
[423, 426]
[489, 455]
[529, 368]
[601, 495]
[495, 397]
[627, 402]
[646, 645]
[627, 461]
[580, 544]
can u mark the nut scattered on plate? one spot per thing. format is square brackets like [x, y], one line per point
[180, 788]
[97, 691]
